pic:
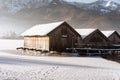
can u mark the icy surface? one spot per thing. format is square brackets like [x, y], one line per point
[19, 67]
[7, 44]
[13, 67]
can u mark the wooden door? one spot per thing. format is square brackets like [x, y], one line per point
[64, 43]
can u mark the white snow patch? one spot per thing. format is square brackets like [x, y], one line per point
[14, 67]
[85, 32]
[108, 3]
[7, 44]
[108, 33]
[18, 67]
[42, 29]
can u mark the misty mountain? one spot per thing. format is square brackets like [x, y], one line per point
[101, 6]
[16, 5]
[23, 14]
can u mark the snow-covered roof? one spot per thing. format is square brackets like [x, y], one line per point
[85, 32]
[108, 33]
[41, 29]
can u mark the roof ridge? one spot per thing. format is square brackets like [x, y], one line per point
[41, 29]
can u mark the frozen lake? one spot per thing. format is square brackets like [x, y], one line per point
[18, 67]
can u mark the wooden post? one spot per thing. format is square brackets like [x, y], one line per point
[99, 52]
[88, 52]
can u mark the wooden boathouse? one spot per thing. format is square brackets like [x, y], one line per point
[52, 37]
[60, 36]
[113, 36]
[95, 42]
[93, 38]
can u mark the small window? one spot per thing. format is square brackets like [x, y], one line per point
[64, 36]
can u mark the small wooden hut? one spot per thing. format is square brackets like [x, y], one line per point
[113, 36]
[93, 38]
[52, 37]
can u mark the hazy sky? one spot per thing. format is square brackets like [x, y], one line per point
[86, 1]
[89, 1]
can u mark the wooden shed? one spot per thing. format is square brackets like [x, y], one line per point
[52, 37]
[93, 38]
[113, 36]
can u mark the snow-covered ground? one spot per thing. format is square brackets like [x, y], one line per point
[19, 67]
[9, 44]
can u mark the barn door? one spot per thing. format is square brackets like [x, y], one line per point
[64, 43]
[64, 37]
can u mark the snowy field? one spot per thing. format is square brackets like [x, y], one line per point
[18, 67]
[6, 44]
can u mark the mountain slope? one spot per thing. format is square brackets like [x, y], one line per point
[101, 6]
[74, 15]
[58, 10]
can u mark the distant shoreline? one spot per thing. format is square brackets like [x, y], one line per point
[109, 57]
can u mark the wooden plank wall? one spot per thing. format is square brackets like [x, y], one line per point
[95, 40]
[60, 39]
[114, 39]
[36, 42]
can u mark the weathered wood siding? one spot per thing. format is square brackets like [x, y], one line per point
[96, 39]
[114, 38]
[36, 42]
[64, 37]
